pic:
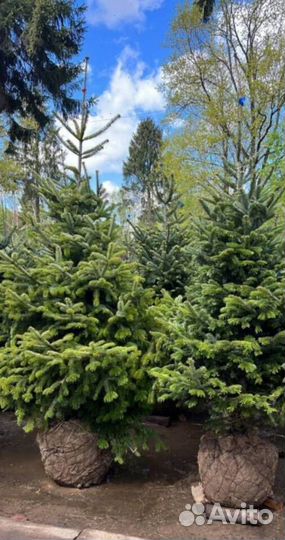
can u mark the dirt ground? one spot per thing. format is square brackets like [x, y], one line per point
[142, 498]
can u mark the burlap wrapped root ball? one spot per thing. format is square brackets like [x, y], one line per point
[237, 469]
[71, 456]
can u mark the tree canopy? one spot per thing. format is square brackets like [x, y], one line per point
[144, 155]
[225, 344]
[226, 80]
[38, 39]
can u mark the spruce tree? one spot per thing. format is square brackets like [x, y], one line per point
[139, 168]
[225, 344]
[38, 39]
[163, 247]
[76, 325]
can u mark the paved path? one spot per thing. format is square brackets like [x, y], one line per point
[13, 530]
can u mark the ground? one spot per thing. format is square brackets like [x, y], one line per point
[142, 498]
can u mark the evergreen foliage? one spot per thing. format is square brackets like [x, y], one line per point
[163, 247]
[38, 39]
[75, 319]
[225, 344]
[78, 343]
[78, 129]
[139, 170]
[41, 156]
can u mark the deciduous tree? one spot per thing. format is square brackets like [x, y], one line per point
[226, 79]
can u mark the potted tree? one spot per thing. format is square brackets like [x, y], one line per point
[75, 366]
[225, 344]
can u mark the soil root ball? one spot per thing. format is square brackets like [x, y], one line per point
[236, 469]
[71, 456]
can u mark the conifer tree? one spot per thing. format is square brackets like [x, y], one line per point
[76, 323]
[38, 39]
[79, 132]
[225, 344]
[163, 247]
[139, 168]
[40, 156]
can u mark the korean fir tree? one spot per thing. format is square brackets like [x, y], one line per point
[224, 346]
[78, 350]
[79, 339]
[81, 143]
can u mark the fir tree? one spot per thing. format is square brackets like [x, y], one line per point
[76, 325]
[163, 248]
[79, 330]
[79, 132]
[225, 344]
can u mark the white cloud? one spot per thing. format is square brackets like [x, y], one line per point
[132, 93]
[110, 187]
[113, 13]
[89, 67]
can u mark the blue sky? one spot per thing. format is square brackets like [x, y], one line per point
[125, 42]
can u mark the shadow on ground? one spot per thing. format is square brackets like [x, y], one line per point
[142, 498]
